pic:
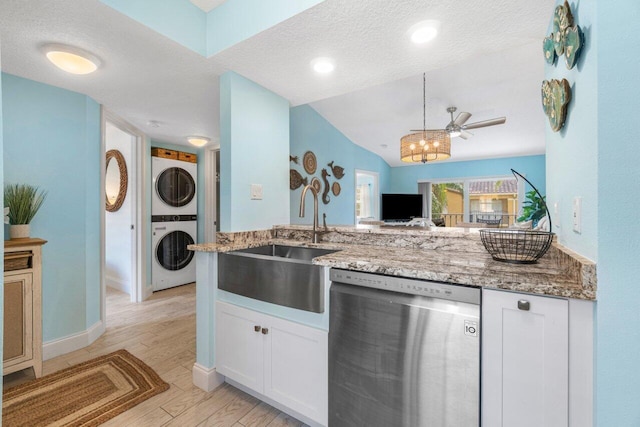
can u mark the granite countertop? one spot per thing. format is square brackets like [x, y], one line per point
[447, 255]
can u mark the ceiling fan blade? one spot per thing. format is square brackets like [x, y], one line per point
[485, 123]
[428, 130]
[464, 134]
[462, 118]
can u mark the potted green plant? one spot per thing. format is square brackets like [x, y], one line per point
[533, 208]
[23, 201]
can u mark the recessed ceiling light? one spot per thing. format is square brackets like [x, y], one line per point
[71, 59]
[323, 65]
[153, 123]
[198, 141]
[424, 31]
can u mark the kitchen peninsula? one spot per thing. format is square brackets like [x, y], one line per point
[447, 255]
[452, 255]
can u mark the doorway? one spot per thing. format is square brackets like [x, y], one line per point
[367, 196]
[122, 233]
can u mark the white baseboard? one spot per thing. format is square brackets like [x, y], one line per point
[206, 379]
[73, 342]
[115, 283]
[147, 291]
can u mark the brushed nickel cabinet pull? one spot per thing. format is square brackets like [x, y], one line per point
[524, 305]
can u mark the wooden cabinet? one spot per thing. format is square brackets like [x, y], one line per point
[525, 360]
[282, 360]
[22, 347]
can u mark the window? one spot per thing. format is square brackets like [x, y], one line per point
[491, 200]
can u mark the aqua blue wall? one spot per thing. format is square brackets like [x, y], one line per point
[210, 33]
[254, 149]
[618, 232]
[179, 20]
[572, 161]
[311, 132]
[404, 179]
[52, 139]
[237, 20]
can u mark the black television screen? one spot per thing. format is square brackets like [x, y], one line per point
[401, 207]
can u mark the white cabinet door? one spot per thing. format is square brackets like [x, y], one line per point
[296, 368]
[525, 358]
[239, 345]
[282, 360]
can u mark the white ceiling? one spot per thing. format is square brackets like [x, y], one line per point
[207, 5]
[486, 61]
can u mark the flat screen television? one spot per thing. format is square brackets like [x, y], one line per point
[401, 207]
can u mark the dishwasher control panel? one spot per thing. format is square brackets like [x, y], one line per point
[424, 288]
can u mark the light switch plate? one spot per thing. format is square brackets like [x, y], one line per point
[256, 191]
[577, 214]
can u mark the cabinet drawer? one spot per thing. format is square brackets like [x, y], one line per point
[18, 260]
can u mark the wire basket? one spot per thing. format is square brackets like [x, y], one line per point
[516, 246]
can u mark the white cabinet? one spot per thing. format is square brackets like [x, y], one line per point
[282, 360]
[525, 360]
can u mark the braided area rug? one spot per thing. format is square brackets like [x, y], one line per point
[87, 394]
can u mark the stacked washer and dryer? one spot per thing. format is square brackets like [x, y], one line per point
[174, 222]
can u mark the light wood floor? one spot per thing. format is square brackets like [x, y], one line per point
[162, 332]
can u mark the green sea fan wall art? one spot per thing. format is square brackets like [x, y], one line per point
[566, 39]
[556, 95]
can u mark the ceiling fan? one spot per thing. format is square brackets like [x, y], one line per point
[457, 126]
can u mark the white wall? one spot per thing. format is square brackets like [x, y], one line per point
[118, 234]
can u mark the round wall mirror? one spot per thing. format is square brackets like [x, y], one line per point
[115, 180]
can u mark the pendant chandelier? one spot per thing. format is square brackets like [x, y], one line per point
[426, 145]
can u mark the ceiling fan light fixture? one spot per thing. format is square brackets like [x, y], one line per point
[453, 132]
[424, 31]
[198, 141]
[71, 59]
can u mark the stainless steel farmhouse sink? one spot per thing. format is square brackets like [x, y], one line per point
[278, 274]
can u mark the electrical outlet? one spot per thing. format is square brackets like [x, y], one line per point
[256, 191]
[577, 214]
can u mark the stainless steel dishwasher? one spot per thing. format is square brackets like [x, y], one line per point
[403, 352]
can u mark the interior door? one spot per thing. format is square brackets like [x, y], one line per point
[239, 346]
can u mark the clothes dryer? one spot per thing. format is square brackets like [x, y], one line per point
[174, 187]
[173, 264]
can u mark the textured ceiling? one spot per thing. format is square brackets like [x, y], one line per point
[149, 77]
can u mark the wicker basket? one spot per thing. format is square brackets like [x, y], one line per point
[516, 246]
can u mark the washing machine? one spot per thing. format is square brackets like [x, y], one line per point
[174, 187]
[173, 264]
